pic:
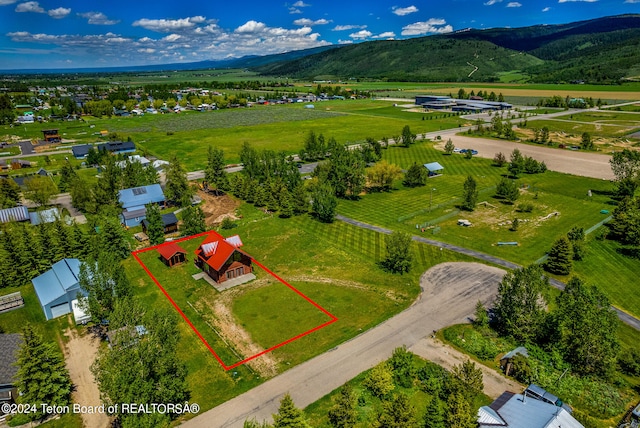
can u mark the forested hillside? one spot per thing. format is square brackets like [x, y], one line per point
[602, 50]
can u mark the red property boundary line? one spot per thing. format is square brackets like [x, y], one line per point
[332, 317]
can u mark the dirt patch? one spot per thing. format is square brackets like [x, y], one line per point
[80, 352]
[216, 208]
[227, 327]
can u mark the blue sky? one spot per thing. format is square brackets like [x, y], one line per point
[73, 33]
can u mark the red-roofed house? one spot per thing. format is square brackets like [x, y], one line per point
[221, 259]
[172, 254]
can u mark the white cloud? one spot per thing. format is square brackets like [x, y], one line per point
[167, 25]
[361, 35]
[345, 42]
[97, 18]
[309, 23]
[7, 2]
[30, 6]
[492, 2]
[59, 13]
[626, 1]
[385, 35]
[294, 10]
[300, 3]
[514, 4]
[433, 25]
[348, 27]
[171, 38]
[546, 9]
[402, 11]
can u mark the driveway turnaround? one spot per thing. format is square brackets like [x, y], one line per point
[450, 292]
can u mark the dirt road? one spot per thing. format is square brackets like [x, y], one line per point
[80, 352]
[568, 161]
[450, 293]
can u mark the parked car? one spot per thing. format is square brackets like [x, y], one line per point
[457, 150]
[540, 394]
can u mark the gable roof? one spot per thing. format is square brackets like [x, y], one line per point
[81, 150]
[215, 250]
[9, 345]
[167, 219]
[514, 410]
[169, 250]
[519, 350]
[57, 281]
[140, 196]
[14, 214]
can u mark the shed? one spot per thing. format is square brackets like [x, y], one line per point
[14, 214]
[169, 222]
[434, 168]
[44, 216]
[505, 361]
[58, 287]
[9, 346]
[172, 254]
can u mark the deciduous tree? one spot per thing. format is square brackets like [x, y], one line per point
[379, 380]
[215, 173]
[626, 168]
[382, 175]
[398, 247]
[587, 327]
[40, 189]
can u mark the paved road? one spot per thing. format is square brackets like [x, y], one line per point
[623, 316]
[450, 293]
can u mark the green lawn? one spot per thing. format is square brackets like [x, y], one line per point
[576, 128]
[404, 208]
[610, 117]
[613, 268]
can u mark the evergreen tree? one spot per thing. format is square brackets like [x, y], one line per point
[9, 193]
[402, 364]
[300, 200]
[346, 172]
[287, 208]
[449, 147]
[408, 137]
[586, 142]
[434, 416]
[625, 225]
[344, 413]
[507, 189]
[215, 174]
[193, 221]
[65, 238]
[399, 258]
[467, 380]
[516, 166]
[49, 241]
[520, 306]
[587, 327]
[470, 195]
[155, 227]
[177, 187]
[113, 238]
[289, 416]
[459, 414]
[7, 112]
[415, 176]
[481, 315]
[324, 202]
[80, 245]
[106, 191]
[42, 375]
[576, 238]
[626, 168]
[397, 413]
[560, 257]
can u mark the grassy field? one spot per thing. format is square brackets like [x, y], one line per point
[613, 268]
[335, 265]
[606, 117]
[405, 208]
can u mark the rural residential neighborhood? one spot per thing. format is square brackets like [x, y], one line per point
[309, 216]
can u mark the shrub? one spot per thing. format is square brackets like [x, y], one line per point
[227, 223]
[526, 207]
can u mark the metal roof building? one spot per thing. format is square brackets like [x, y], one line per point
[14, 214]
[58, 287]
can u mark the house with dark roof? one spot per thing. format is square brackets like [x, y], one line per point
[222, 260]
[172, 254]
[9, 346]
[133, 202]
[512, 410]
[169, 222]
[118, 147]
[58, 287]
[81, 151]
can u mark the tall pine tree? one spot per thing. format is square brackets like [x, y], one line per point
[155, 227]
[289, 416]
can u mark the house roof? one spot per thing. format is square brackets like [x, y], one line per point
[514, 410]
[167, 219]
[134, 212]
[44, 216]
[215, 250]
[81, 150]
[171, 249]
[55, 282]
[519, 350]
[14, 214]
[235, 241]
[433, 166]
[143, 195]
[117, 146]
[9, 345]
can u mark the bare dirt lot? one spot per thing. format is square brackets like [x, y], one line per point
[80, 353]
[216, 208]
[568, 161]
